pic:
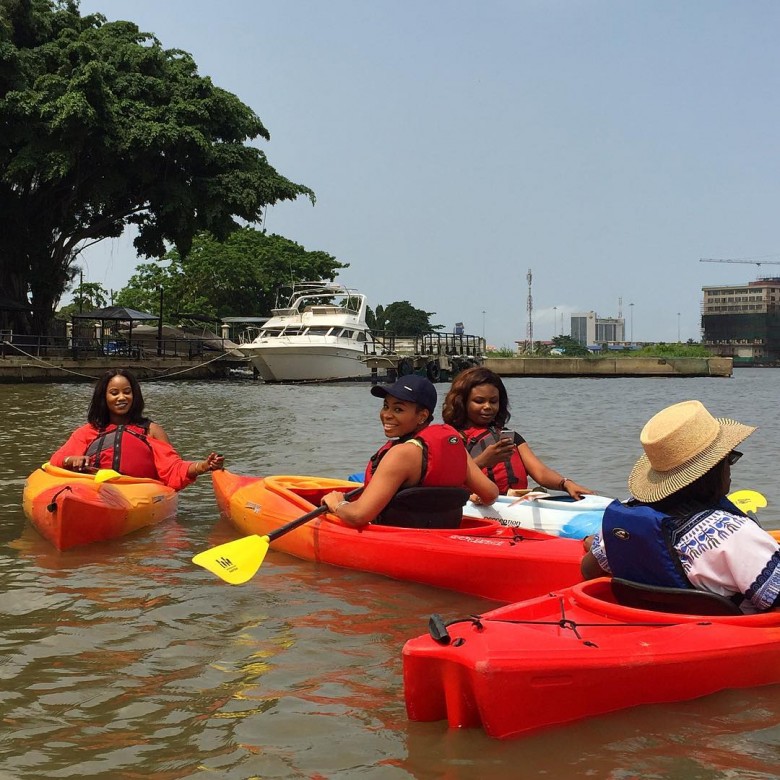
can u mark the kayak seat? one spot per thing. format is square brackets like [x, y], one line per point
[425, 507]
[685, 601]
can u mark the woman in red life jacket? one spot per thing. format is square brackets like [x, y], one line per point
[478, 407]
[117, 436]
[419, 454]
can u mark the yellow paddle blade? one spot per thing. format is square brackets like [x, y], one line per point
[747, 500]
[104, 475]
[236, 561]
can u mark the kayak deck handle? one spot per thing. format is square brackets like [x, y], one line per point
[52, 507]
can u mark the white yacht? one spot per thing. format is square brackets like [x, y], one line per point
[320, 336]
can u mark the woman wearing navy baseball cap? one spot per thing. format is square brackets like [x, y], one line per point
[417, 454]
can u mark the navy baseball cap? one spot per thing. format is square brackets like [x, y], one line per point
[413, 388]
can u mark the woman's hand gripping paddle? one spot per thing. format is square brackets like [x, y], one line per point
[238, 561]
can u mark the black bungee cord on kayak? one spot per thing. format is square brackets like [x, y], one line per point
[437, 626]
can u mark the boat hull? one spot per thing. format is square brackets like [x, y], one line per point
[557, 515]
[71, 509]
[482, 558]
[514, 678]
[306, 362]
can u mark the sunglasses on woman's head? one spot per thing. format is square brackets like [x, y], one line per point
[733, 457]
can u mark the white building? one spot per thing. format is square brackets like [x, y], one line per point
[591, 330]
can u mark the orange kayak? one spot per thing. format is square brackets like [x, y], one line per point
[71, 509]
[481, 558]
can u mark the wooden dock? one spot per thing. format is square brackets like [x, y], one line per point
[17, 370]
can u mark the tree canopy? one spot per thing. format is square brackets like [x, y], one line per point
[239, 276]
[102, 128]
[571, 347]
[401, 318]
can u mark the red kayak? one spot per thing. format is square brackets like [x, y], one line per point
[481, 558]
[578, 653]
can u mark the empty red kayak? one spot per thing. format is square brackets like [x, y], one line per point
[70, 509]
[482, 557]
[578, 653]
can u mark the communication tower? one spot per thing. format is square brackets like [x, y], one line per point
[530, 306]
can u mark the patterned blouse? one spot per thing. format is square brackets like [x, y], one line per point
[725, 554]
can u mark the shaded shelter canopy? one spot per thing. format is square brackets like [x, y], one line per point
[116, 314]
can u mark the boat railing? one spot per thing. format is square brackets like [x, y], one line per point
[248, 335]
[436, 343]
[382, 342]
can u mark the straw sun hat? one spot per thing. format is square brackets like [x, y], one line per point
[681, 443]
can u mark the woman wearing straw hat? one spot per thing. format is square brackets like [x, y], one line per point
[680, 530]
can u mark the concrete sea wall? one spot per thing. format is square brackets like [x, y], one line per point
[606, 367]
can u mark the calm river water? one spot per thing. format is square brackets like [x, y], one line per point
[124, 660]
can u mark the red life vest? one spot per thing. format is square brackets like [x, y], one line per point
[507, 474]
[124, 448]
[443, 457]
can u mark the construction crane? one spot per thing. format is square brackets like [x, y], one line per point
[749, 262]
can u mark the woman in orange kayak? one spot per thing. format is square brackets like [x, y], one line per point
[418, 454]
[117, 436]
[477, 405]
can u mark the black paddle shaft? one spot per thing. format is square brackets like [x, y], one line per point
[293, 524]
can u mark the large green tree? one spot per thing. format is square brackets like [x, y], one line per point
[402, 319]
[101, 128]
[239, 276]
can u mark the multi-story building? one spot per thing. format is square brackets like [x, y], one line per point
[742, 321]
[591, 330]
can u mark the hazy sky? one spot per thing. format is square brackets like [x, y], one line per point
[604, 145]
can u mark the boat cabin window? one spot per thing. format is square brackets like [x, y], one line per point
[318, 330]
[361, 336]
